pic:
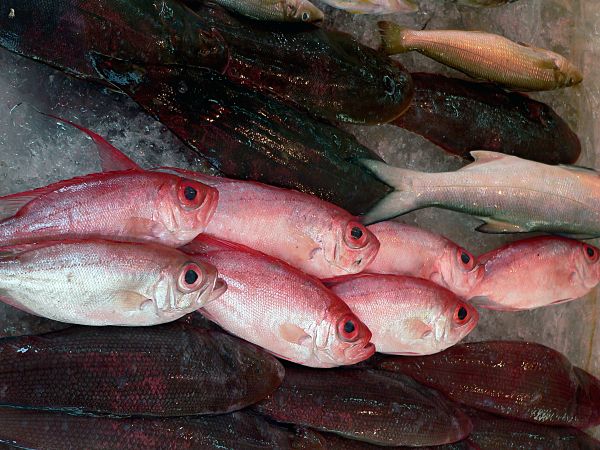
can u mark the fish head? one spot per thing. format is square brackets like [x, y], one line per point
[586, 259]
[187, 285]
[354, 248]
[342, 339]
[303, 11]
[458, 320]
[186, 207]
[459, 270]
[566, 73]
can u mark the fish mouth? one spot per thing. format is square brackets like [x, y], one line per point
[356, 355]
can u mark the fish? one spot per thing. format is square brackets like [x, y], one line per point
[407, 316]
[510, 194]
[281, 309]
[520, 380]
[493, 433]
[164, 371]
[483, 3]
[366, 406]
[536, 272]
[496, 120]
[412, 251]
[375, 6]
[275, 10]
[46, 430]
[485, 56]
[325, 73]
[133, 206]
[335, 442]
[14, 322]
[97, 282]
[247, 135]
[302, 230]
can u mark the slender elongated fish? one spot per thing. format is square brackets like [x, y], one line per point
[522, 380]
[281, 309]
[485, 56]
[163, 371]
[130, 205]
[407, 316]
[536, 272]
[510, 194]
[98, 282]
[375, 6]
[412, 251]
[275, 10]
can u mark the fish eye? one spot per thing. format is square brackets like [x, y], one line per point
[390, 86]
[461, 315]
[305, 16]
[348, 329]
[191, 277]
[356, 235]
[190, 194]
[591, 252]
[466, 259]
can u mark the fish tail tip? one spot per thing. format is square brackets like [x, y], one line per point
[392, 37]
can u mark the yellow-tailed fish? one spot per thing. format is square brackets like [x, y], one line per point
[275, 10]
[485, 56]
[374, 6]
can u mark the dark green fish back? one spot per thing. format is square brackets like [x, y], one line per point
[160, 371]
[247, 135]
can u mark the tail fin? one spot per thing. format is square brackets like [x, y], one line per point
[399, 202]
[393, 38]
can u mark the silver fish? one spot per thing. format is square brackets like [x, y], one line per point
[275, 10]
[510, 194]
[374, 6]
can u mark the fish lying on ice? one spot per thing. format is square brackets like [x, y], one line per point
[281, 309]
[510, 194]
[374, 6]
[407, 316]
[485, 56]
[98, 282]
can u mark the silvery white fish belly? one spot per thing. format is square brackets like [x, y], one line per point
[105, 283]
[510, 194]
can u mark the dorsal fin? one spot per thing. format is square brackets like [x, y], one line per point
[111, 158]
[483, 156]
[205, 243]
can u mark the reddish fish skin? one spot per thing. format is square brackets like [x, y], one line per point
[408, 250]
[281, 309]
[335, 442]
[521, 380]
[536, 272]
[127, 206]
[43, 430]
[165, 371]
[366, 406]
[497, 433]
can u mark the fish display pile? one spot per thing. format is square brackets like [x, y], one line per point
[274, 303]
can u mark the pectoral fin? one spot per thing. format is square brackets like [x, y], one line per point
[417, 329]
[133, 301]
[498, 227]
[293, 334]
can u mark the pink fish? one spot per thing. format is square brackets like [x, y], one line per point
[407, 316]
[536, 272]
[407, 250]
[281, 309]
[128, 206]
[315, 236]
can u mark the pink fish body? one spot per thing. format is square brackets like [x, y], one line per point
[281, 309]
[408, 250]
[95, 282]
[536, 272]
[407, 316]
[127, 206]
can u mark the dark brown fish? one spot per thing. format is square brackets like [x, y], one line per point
[168, 370]
[247, 135]
[43, 430]
[522, 380]
[366, 406]
[461, 116]
[497, 433]
[14, 322]
[334, 442]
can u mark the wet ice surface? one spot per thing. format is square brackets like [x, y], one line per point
[35, 150]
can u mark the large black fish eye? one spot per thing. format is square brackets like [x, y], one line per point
[191, 276]
[190, 193]
[356, 233]
[305, 16]
[349, 327]
[462, 313]
[465, 258]
[590, 251]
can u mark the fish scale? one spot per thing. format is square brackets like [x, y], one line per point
[161, 371]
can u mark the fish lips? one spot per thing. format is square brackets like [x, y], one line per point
[355, 354]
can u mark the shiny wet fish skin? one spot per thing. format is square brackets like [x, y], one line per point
[536, 272]
[281, 309]
[105, 283]
[374, 6]
[485, 56]
[275, 10]
[512, 195]
[412, 251]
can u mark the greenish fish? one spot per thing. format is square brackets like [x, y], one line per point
[275, 10]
